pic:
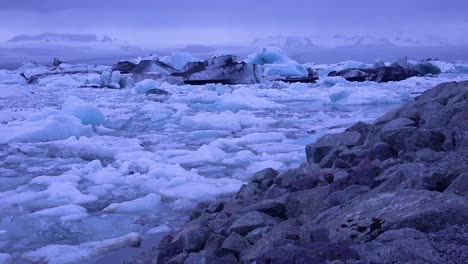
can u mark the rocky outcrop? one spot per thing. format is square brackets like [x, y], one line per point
[394, 191]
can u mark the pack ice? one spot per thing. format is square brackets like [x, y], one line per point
[92, 159]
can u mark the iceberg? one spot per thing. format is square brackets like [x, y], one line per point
[275, 62]
[179, 59]
[54, 127]
[86, 112]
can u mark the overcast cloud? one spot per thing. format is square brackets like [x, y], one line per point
[178, 22]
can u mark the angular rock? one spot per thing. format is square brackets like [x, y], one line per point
[234, 244]
[373, 213]
[252, 220]
[272, 207]
[451, 243]
[413, 139]
[169, 249]
[227, 259]
[192, 237]
[202, 257]
[254, 235]
[307, 204]
[459, 186]
[340, 197]
[283, 234]
[324, 145]
[248, 190]
[265, 174]
[399, 246]
[178, 259]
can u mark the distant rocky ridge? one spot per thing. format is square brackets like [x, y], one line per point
[59, 37]
[394, 191]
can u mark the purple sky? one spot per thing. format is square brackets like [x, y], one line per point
[178, 22]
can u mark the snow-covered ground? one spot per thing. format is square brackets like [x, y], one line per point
[84, 171]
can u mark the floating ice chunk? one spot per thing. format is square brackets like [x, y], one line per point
[339, 93]
[179, 59]
[150, 202]
[241, 157]
[47, 180]
[65, 212]
[159, 229]
[204, 154]
[5, 258]
[43, 113]
[245, 98]
[93, 166]
[108, 175]
[299, 88]
[331, 81]
[63, 192]
[222, 121]
[53, 127]
[63, 254]
[269, 55]
[145, 85]
[284, 70]
[202, 189]
[86, 112]
[276, 62]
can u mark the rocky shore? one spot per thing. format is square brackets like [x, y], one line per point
[394, 191]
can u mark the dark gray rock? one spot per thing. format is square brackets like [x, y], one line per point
[307, 204]
[202, 257]
[324, 145]
[363, 174]
[272, 207]
[214, 242]
[459, 186]
[227, 259]
[373, 213]
[193, 238]
[413, 139]
[169, 249]
[251, 221]
[266, 174]
[399, 246]
[451, 243]
[254, 235]
[248, 190]
[178, 259]
[340, 197]
[234, 244]
[283, 234]
[311, 253]
[305, 182]
[382, 151]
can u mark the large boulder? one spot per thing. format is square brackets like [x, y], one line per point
[365, 217]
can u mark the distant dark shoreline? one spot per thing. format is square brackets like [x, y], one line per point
[13, 57]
